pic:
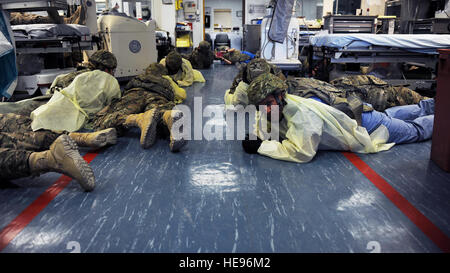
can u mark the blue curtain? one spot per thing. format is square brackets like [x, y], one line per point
[8, 68]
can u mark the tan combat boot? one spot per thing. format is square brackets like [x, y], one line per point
[147, 122]
[169, 118]
[63, 157]
[96, 139]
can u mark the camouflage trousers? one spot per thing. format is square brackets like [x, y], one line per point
[17, 142]
[377, 92]
[134, 101]
[236, 56]
[16, 133]
[13, 164]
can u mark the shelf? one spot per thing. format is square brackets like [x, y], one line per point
[33, 5]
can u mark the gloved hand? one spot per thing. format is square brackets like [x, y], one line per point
[251, 146]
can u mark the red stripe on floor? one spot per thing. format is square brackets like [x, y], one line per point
[420, 220]
[27, 215]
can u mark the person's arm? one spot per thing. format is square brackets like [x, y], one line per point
[226, 61]
[179, 93]
[239, 97]
[187, 74]
[302, 139]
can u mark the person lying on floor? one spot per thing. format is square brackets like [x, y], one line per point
[101, 60]
[147, 103]
[64, 114]
[307, 125]
[201, 57]
[347, 94]
[247, 73]
[180, 70]
[368, 88]
[233, 56]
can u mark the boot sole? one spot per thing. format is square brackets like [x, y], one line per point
[106, 137]
[87, 181]
[176, 145]
[148, 134]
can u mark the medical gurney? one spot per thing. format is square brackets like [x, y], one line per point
[413, 49]
[379, 48]
[51, 38]
[34, 40]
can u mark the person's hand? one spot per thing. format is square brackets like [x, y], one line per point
[251, 146]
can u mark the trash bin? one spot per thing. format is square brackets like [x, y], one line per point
[440, 147]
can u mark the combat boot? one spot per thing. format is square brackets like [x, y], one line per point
[147, 122]
[96, 139]
[169, 118]
[63, 157]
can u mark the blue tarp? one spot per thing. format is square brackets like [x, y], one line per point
[423, 43]
[8, 68]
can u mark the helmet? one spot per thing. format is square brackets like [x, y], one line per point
[204, 46]
[173, 61]
[257, 67]
[102, 59]
[264, 85]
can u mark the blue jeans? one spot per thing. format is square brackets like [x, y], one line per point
[406, 124]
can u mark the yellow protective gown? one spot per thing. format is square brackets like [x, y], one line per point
[69, 109]
[180, 93]
[239, 97]
[309, 125]
[187, 75]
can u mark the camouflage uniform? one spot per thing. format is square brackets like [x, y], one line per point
[78, 17]
[236, 56]
[145, 92]
[253, 69]
[17, 142]
[349, 93]
[19, 18]
[17, 139]
[13, 164]
[16, 133]
[353, 106]
[377, 92]
[264, 85]
[202, 57]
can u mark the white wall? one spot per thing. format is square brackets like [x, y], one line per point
[198, 26]
[327, 6]
[308, 9]
[249, 16]
[234, 5]
[165, 17]
[376, 6]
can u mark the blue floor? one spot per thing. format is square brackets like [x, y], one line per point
[212, 197]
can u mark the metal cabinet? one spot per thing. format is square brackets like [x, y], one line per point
[251, 41]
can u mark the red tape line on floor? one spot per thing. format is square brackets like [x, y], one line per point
[420, 220]
[28, 214]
